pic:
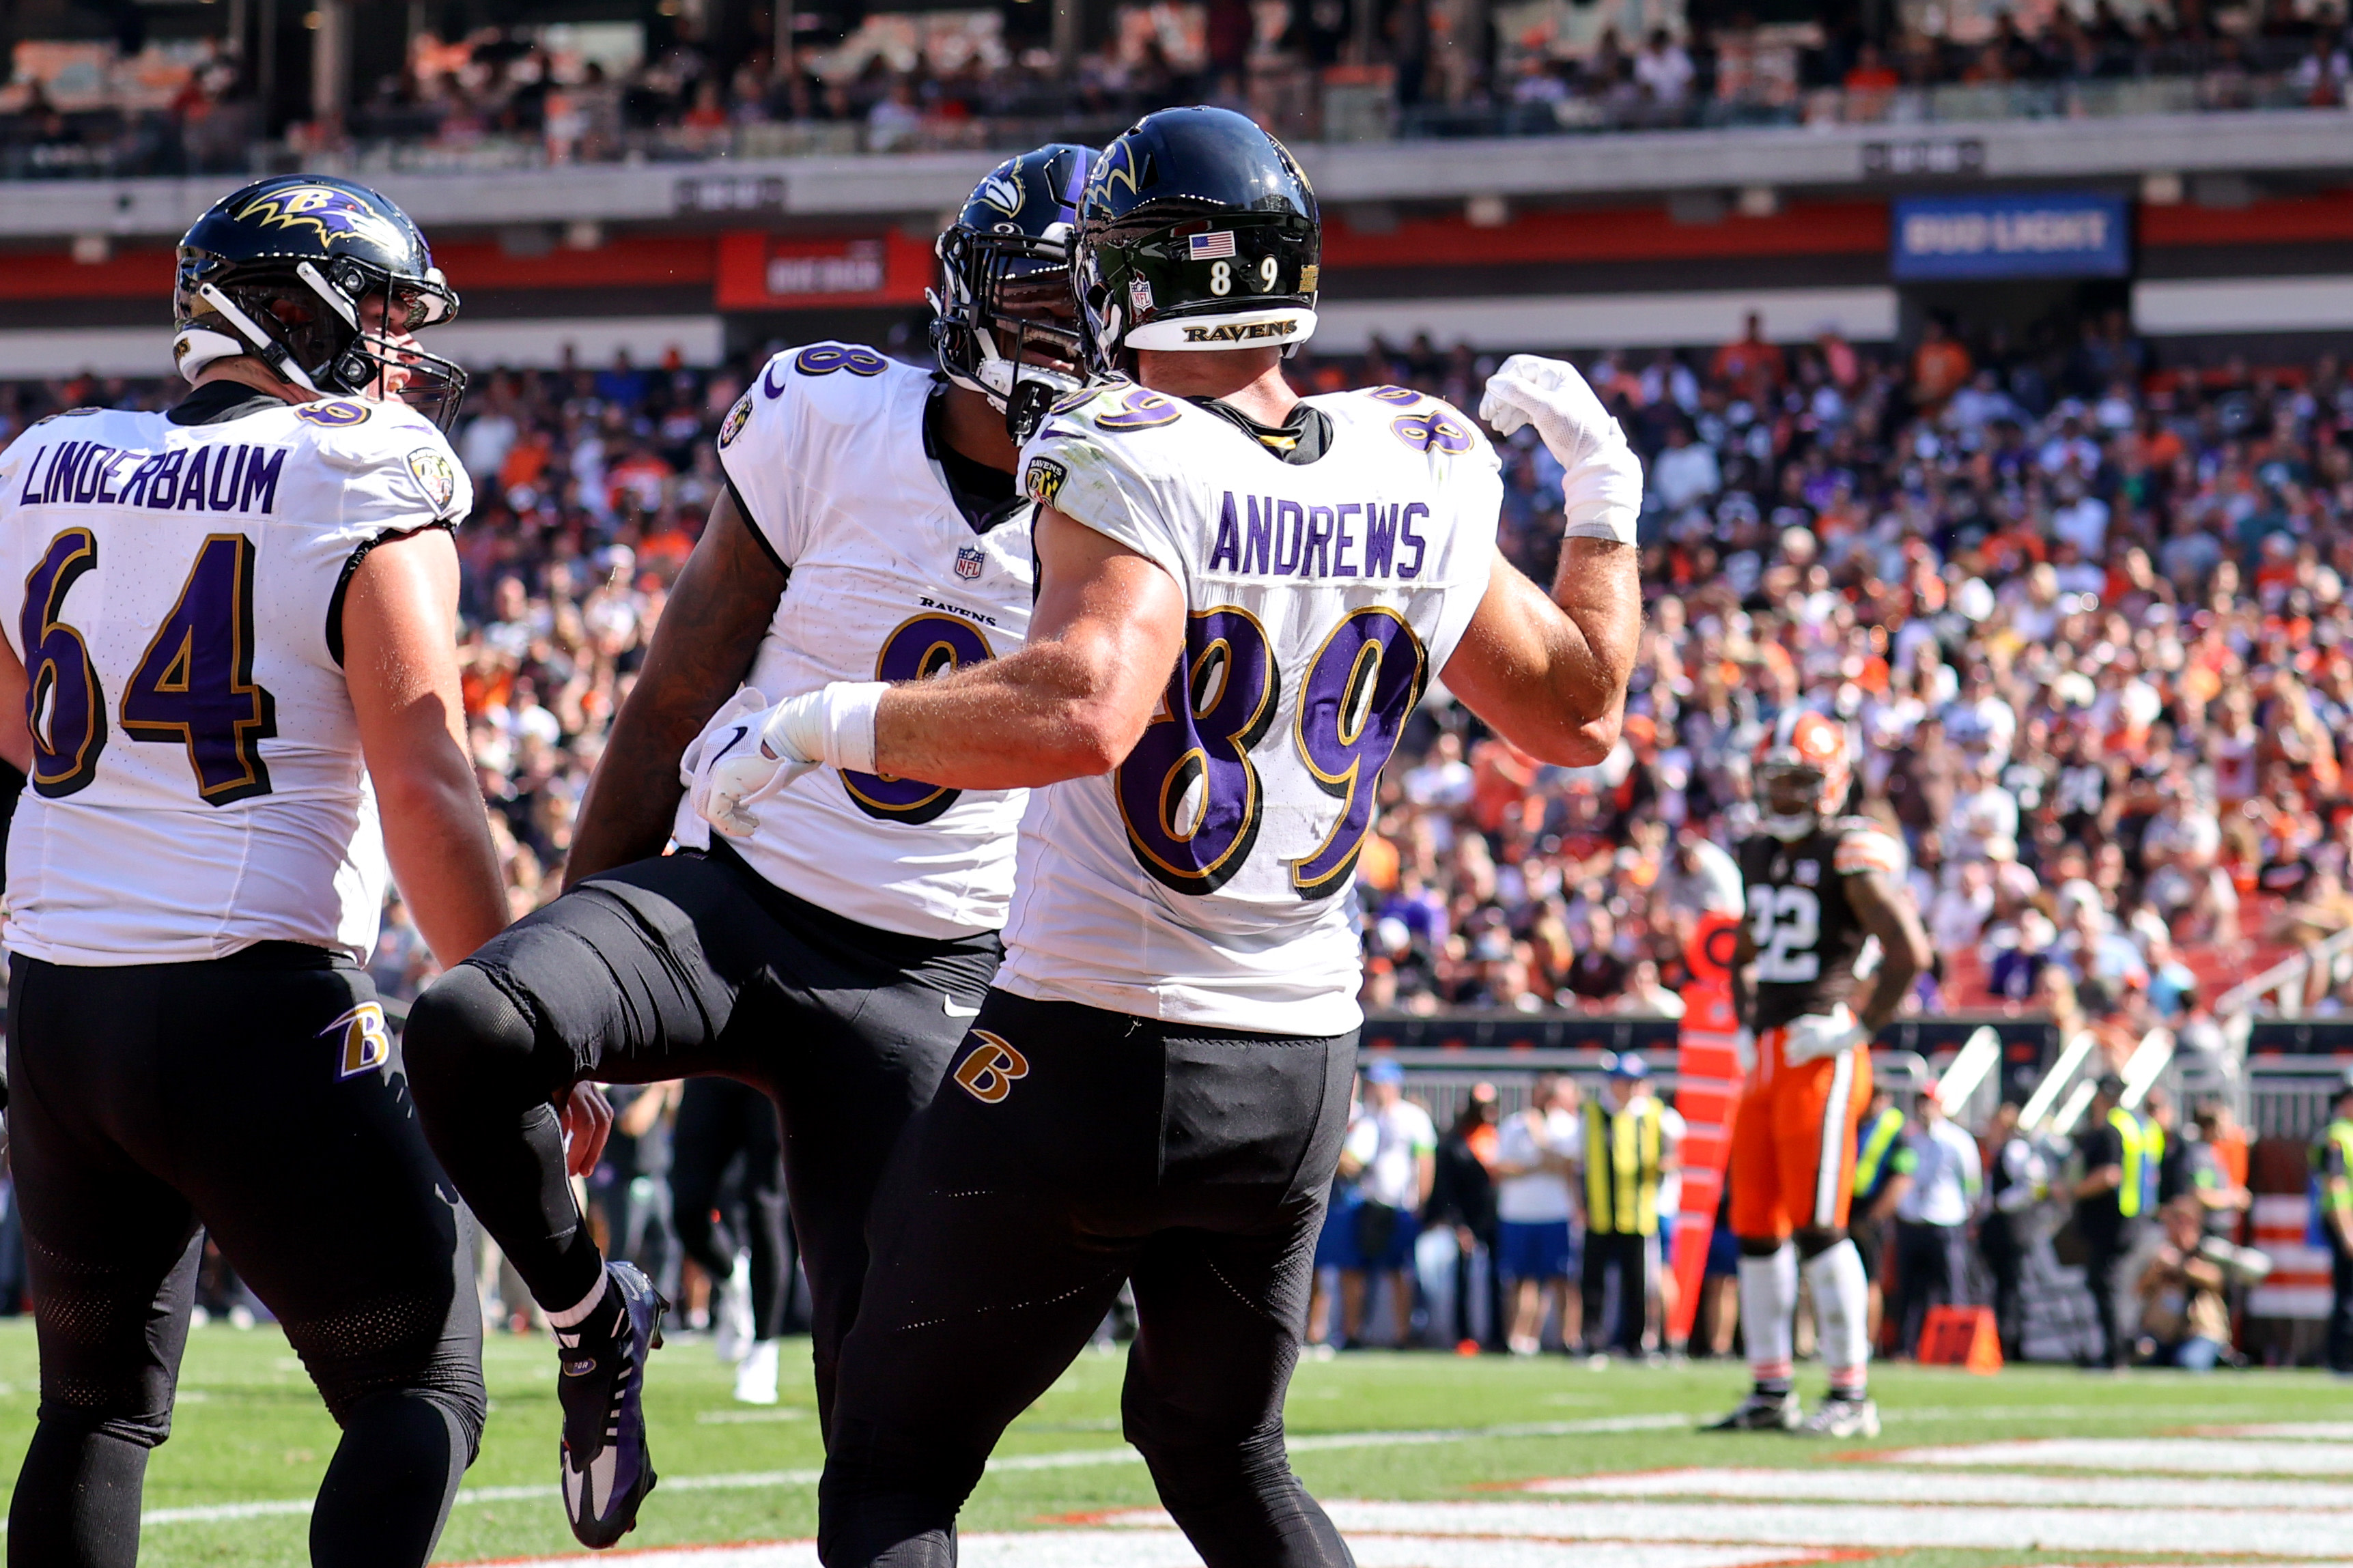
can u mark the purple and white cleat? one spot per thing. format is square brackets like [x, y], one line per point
[608, 1467]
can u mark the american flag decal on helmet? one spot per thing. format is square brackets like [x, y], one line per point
[1212, 246]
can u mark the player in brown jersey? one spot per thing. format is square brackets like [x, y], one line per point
[1817, 886]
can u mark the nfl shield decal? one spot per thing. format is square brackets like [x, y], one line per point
[969, 560]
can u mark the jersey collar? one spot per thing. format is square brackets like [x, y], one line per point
[983, 496]
[219, 402]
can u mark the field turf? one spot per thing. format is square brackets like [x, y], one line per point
[251, 1440]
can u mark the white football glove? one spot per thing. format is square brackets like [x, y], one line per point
[1743, 1049]
[1818, 1035]
[728, 766]
[1601, 489]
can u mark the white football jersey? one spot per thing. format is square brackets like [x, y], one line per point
[1207, 880]
[889, 581]
[197, 784]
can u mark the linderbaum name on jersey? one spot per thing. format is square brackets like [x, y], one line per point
[197, 784]
[1320, 598]
[889, 581]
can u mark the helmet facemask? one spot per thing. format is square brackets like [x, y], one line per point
[344, 326]
[1005, 323]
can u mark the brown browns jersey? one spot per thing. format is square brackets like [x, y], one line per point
[1807, 933]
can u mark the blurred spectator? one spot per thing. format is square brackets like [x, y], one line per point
[1462, 1196]
[1628, 1145]
[1932, 1220]
[1391, 1153]
[2183, 1319]
[1535, 1153]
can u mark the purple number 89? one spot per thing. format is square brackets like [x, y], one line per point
[1188, 792]
[1362, 682]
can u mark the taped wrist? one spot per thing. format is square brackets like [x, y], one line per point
[1601, 495]
[846, 709]
[832, 725]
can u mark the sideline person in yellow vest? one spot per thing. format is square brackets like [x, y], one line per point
[2332, 1170]
[2114, 1198]
[1883, 1162]
[1630, 1141]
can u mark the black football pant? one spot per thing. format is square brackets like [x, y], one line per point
[719, 1120]
[258, 1097]
[675, 967]
[2340, 1304]
[1629, 1256]
[1932, 1270]
[1070, 1150]
[2104, 1254]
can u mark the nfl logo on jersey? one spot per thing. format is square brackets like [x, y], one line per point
[969, 560]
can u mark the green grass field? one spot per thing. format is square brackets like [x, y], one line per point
[250, 1430]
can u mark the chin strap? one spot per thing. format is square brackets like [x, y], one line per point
[1789, 829]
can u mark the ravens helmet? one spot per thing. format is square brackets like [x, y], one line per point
[1003, 321]
[1199, 232]
[322, 281]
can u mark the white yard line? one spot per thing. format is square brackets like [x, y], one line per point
[1894, 1486]
[1871, 1527]
[2183, 1456]
[1165, 1548]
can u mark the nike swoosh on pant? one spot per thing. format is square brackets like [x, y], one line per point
[955, 1009]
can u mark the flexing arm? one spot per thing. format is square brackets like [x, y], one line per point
[1107, 630]
[1550, 674]
[708, 633]
[1887, 913]
[400, 662]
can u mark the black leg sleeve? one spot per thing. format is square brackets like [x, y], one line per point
[632, 977]
[483, 1089]
[389, 1487]
[76, 1499]
[1217, 1337]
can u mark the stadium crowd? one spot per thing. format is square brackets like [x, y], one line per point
[904, 88]
[2086, 618]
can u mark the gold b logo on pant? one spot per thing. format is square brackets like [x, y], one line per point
[987, 1074]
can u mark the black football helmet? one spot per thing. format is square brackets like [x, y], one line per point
[1003, 322]
[1199, 232]
[282, 271]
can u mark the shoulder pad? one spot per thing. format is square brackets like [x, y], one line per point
[1428, 425]
[1864, 845]
[1121, 407]
[851, 363]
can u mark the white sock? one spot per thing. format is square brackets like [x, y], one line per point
[1768, 1309]
[572, 1317]
[1843, 1316]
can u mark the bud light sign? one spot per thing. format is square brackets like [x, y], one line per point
[2068, 235]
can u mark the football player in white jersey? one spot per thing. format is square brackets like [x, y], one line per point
[239, 620]
[831, 953]
[1243, 596]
